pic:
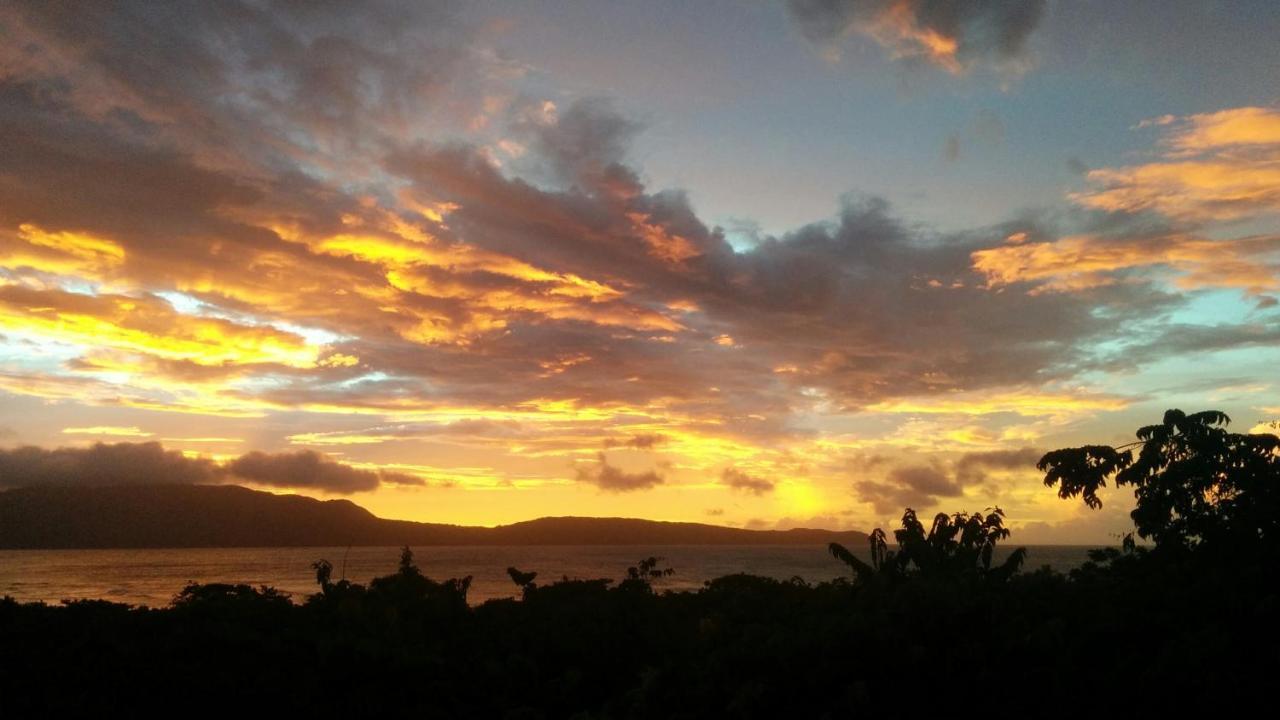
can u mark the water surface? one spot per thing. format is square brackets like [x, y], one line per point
[152, 577]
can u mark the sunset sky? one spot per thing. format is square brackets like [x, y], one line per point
[763, 264]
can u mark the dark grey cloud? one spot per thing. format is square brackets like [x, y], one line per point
[103, 464]
[739, 480]
[150, 464]
[306, 469]
[917, 487]
[971, 468]
[954, 34]
[584, 146]
[614, 479]
[230, 73]
[924, 486]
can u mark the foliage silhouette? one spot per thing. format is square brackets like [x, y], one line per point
[742, 646]
[1195, 484]
[955, 546]
[644, 573]
[522, 579]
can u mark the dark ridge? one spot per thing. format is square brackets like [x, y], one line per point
[152, 516]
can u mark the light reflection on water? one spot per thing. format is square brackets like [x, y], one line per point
[152, 577]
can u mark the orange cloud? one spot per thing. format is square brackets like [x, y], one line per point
[1226, 128]
[954, 36]
[65, 253]
[1215, 166]
[899, 29]
[663, 244]
[1078, 262]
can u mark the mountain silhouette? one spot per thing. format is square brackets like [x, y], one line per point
[141, 516]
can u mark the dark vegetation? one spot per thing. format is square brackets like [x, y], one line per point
[1187, 624]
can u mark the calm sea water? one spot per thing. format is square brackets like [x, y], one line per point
[153, 577]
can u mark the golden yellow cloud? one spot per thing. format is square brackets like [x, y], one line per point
[1215, 166]
[1029, 402]
[73, 254]
[1084, 261]
[149, 326]
[107, 430]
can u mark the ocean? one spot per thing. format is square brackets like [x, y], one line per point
[152, 577]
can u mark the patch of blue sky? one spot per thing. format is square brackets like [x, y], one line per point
[313, 336]
[1215, 307]
[260, 383]
[1205, 377]
[79, 286]
[19, 351]
[376, 376]
[184, 303]
[68, 283]
[189, 305]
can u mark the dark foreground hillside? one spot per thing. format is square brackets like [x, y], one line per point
[1188, 627]
[1131, 634]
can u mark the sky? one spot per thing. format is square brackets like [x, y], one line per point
[761, 264]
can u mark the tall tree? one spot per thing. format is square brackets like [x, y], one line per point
[1195, 483]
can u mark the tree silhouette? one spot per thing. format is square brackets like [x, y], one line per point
[1194, 482]
[645, 572]
[954, 545]
[324, 572]
[523, 579]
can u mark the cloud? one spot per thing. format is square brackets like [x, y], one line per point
[102, 464]
[313, 241]
[916, 486]
[643, 441]
[1189, 262]
[1104, 526]
[613, 479]
[306, 469]
[150, 464]
[1223, 165]
[1265, 427]
[111, 430]
[583, 147]
[971, 468]
[954, 35]
[500, 431]
[1028, 402]
[739, 480]
[925, 486]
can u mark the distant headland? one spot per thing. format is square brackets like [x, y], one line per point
[156, 516]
